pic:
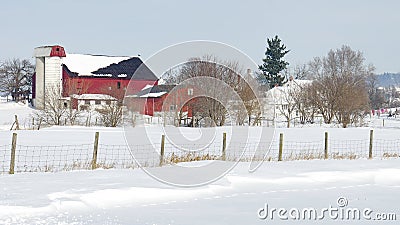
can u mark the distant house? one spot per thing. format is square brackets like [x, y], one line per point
[78, 74]
[279, 101]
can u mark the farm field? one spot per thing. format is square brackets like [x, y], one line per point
[131, 197]
[53, 183]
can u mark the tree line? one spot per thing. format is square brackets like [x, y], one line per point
[16, 78]
[343, 87]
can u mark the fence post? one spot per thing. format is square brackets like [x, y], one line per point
[383, 122]
[13, 147]
[371, 139]
[16, 123]
[280, 146]
[95, 149]
[326, 146]
[40, 123]
[162, 149]
[224, 146]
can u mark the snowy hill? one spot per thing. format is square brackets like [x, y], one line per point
[389, 79]
[8, 110]
[126, 195]
[132, 197]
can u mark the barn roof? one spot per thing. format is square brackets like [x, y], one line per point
[121, 67]
[154, 91]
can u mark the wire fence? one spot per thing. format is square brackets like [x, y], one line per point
[81, 156]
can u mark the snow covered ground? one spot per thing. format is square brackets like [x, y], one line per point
[132, 197]
[66, 148]
[8, 110]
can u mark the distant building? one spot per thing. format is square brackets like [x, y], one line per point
[279, 99]
[91, 101]
[152, 101]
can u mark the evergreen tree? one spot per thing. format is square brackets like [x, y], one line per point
[273, 63]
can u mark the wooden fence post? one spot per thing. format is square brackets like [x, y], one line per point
[326, 146]
[13, 147]
[280, 146]
[162, 149]
[371, 139]
[40, 123]
[16, 123]
[95, 149]
[224, 146]
[383, 122]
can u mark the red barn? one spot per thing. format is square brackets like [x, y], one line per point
[153, 99]
[99, 79]
[77, 74]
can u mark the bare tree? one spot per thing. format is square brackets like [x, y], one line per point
[73, 115]
[111, 114]
[376, 98]
[352, 103]
[16, 78]
[249, 92]
[71, 88]
[286, 100]
[339, 88]
[55, 107]
[205, 107]
[303, 100]
[323, 96]
[301, 71]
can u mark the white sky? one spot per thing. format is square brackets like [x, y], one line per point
[308, 27]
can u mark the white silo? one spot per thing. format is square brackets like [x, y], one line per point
[48, 72]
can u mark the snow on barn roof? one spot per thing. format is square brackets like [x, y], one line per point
[86, 64]
[154, 91]
[93, 97]
[147, 86]
[122, 67]
[153, 95]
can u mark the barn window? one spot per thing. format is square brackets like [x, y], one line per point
[87, 102]
[109, 88]
[118, 85]
[57, 49]
[172, 107]
[97, 102]
[65, 105]
[108, 102]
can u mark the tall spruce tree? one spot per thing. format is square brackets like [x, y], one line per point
[273, 63]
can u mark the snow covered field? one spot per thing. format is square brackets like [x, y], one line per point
[130, 196]
[9, 109]
[66, 148]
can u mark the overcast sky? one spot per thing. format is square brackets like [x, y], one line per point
[309, 28]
